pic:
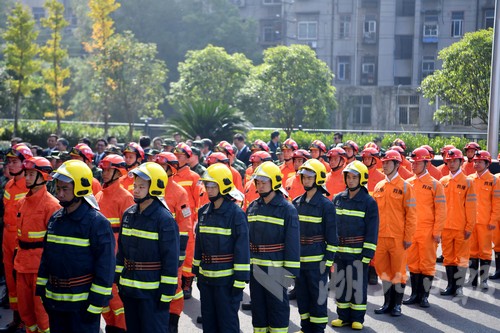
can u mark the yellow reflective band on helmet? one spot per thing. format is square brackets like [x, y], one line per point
[268, 263]
[66, 297]
[20, 196]
[292, 264]
[332, 248]
[196, 262]
[51, 238]
[118, 269]
[179, 295]
[40, 281]
[343, 305]
[347, 212]
[278, 329]
[37, 234]
[242, 267]
[100, 289]
[318, 320]
[215, 230]
[239, 284]
[266, 219]
[94, 309]
[166, 299]
[353, 250]
[310, 219]
[260, 329]
[168, 279]
[115, 221]
[185, 183]
[140, 233]
[216, 274]
[139, 284]
[358, 307]
[370, 246]
[311, 258]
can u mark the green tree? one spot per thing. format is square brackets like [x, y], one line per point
[55, 56]
[209, 75]
[20, 53]
[212, 120]
[463, 83]
[295, 88]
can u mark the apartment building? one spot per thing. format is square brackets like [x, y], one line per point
[379, 51]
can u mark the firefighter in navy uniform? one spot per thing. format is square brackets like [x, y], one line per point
[222, 255]
[318, 243]
[77, 266]
[148, 253]
[274, 250]
[357, 228]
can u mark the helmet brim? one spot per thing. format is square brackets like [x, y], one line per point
[92, 201]
[61, 177]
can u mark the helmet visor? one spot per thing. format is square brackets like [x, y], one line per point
[307, 172]
[61, 177]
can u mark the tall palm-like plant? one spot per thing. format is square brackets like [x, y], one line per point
[213, 120]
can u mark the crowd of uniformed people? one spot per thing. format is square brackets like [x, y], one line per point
[122, 232]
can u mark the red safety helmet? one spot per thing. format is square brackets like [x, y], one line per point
[371, 145]
[260, 156]
[183, 148]
[40, 164]
[482, 155]
[113, 161]
[351, 144]
[391, 155]
[472, 145]
[301, 153]
[82, 150]
[454, 154]
[217, 157]
[134, 147]
[429, 149]
[21, 151]
[289, 144]
[370, 152]
[336, 151]
[445, 149]
[225, 147]
[169, 158]
[398, 149]
[318, 144]
[400, 143]
[420, 154]
[259, 145]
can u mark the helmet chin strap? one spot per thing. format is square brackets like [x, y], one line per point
[16, 174]
[338, 166]
[139, 201]
[35, 182]
[214, 199]
[308, 188]
[66, 204]
[264, 195]
[112, 180]
[352, 189]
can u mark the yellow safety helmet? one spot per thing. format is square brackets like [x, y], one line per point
[78, 173]
[358, 168]
[316, 167]
[271, 171]
[221, 175]
[154, 173]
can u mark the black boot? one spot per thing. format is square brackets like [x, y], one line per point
[399, 291]
[246, 306]
[387, 307]
[440, 259]
[114, 329]
[459, 280]
[425, 288]
[372, 276]
[416, 280]
[496, 275]
[484, 272]
[292, 294]
[473, 272]
[173, 323]
[187, 283]
[451, 287]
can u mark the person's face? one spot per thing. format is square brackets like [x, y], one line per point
[130, 158]
[314, 152]
[60, 146]
[480, 166]
[212, 189]
[107, 174]
[182, 158]
[157, 145]
[470, 153]
[297, 162]
[30, 176]
[367, 160]
[454, 164]
[349, 152]
[334, 161]
[151, 158]
[351, 180]
[336, 139]
[51, 142]
[64, 191]
[388, 167]
[308, 181]
[113, 141]
[141, 188]
[100, 146]
[263, 186]
[177, 138]
[14, 165]
[418, 167]
[287, 154]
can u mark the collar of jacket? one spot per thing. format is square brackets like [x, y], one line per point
[80, 213]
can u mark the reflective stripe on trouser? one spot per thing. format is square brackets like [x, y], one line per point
[455, 249]
[351, 282]
[8, 246]
[312, 292]
[30, 306]
[187, 265]
[219, 308]
[422, 253]
[480, 242]
[72, 321]
[177, 304]
[267, 309]
[390, 260]
[144, 315]
[114, 314]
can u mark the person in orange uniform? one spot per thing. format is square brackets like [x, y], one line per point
[227, 149]
[470, 150]
[83, 153]
[294, 185]
[317, 149]
[444, 167]
[287, 169]
[334, 179]
[217, 157]
[15, 190]
[400, 143]
[371, 158]
[133, 155]
[372, 144]
[404, 172]
[431, 214]
[460, 220]
[396, 203]
[250, 192]
[189, 180]
[177, 200]
[113, 201]
[351, 149]
[430, 167]
[258, 145]
[35, 210]
[487, 218]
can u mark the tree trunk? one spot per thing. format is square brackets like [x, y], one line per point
[16, 113]
[130, 131]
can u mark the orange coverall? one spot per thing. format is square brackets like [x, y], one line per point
[404, 173]
[287, 170]
[398, 219]
[488, 213]
[435, 173]
[334, 183]
[127, 182]
[460, 216]
[444, 170]
[496, 232]
[35, 211]
[405, 163]
[248, 174]
[14, 191]
[294, 187]
[237, 181]
[113, 200]
[374, 177]
[431, 215]
[250, 193]
[468, 168]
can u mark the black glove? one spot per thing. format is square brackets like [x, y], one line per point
[89, 317]
[163, 306]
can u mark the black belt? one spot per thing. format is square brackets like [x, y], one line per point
[216, 259]
[30, 245]
[72, 282]
[266, 248]
[351, 240]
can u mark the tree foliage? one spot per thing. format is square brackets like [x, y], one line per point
[210, 75]
[20, 52]
[462, 85]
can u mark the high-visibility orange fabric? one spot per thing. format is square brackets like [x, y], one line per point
[15, 190]
[460, 216]
[248, 174]
[30, 307]
[445, 171]
[406, 164]
[335, 182]
[177, 304]
[434, 171]
[96, 186]
[496, 232]
[468, 168]
[404, 173]
[113, 200]
[326, 164]
[431, 215]
[397, 224]
[127, 182]
[374, 177]
[287, 170]
[488, 213]
[250, 193]
[294, 187]
[237, 181]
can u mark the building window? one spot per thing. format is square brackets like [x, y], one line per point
[489, 18]
[370, 30]
[271, 2]
[344, 69]
[404, 47]
[428, 64]
[38, 13]
[362, 114]
[370, 26]
[368, 71]
[271, 32]
[307, 30]
[457, 22]
[430, 30]
[408, 106]
[345, 26]
[405, 8]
